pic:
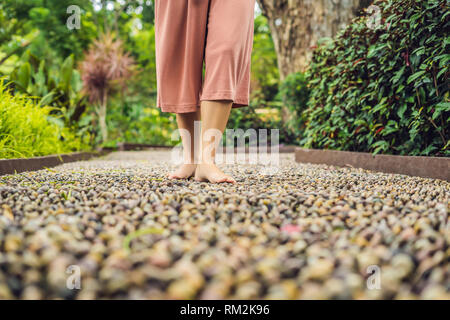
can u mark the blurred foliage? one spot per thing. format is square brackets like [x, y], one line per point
[132, 122]
[50, 18]
[39, 54]
[28, 130]
[384, 89]
[142, 46]
[265, 76]
[294, 95]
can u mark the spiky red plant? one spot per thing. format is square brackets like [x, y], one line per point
[106, 67]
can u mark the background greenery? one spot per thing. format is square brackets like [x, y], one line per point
[382, 90]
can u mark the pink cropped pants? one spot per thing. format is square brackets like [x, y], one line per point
[190, 32]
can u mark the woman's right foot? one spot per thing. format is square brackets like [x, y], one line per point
[185, 171]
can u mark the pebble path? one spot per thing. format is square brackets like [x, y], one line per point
[309, 232]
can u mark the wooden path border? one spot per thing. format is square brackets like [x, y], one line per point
[11, 166]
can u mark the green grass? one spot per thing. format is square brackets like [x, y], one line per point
[139, 233]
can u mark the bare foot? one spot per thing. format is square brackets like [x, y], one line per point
[185, 171]
[210, 172]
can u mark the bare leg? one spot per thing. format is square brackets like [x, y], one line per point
[186, 121]
[214, 116]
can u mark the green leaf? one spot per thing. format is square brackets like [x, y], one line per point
[24, 75]
[379, 146]
[46, 100]
[66, 73]
[416, 76]
[440, 108]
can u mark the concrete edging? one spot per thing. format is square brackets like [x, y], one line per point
[426, 167]
[11, 166]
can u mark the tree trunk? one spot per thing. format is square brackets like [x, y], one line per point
[296, 25]
[101, 111]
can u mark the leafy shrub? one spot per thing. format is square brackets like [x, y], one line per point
[384, 89]
[58, 86]
[294, 95]
[27, 130]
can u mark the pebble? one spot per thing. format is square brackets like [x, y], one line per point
[309, 232]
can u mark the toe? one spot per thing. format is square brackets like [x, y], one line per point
[231, 180]
[176, 176]
[225, 179]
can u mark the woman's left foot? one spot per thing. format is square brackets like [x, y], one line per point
[210, 173]
[185, 171]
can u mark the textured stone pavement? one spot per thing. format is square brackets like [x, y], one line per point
[309, 232]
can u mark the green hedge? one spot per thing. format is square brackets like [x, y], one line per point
[384, 89]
